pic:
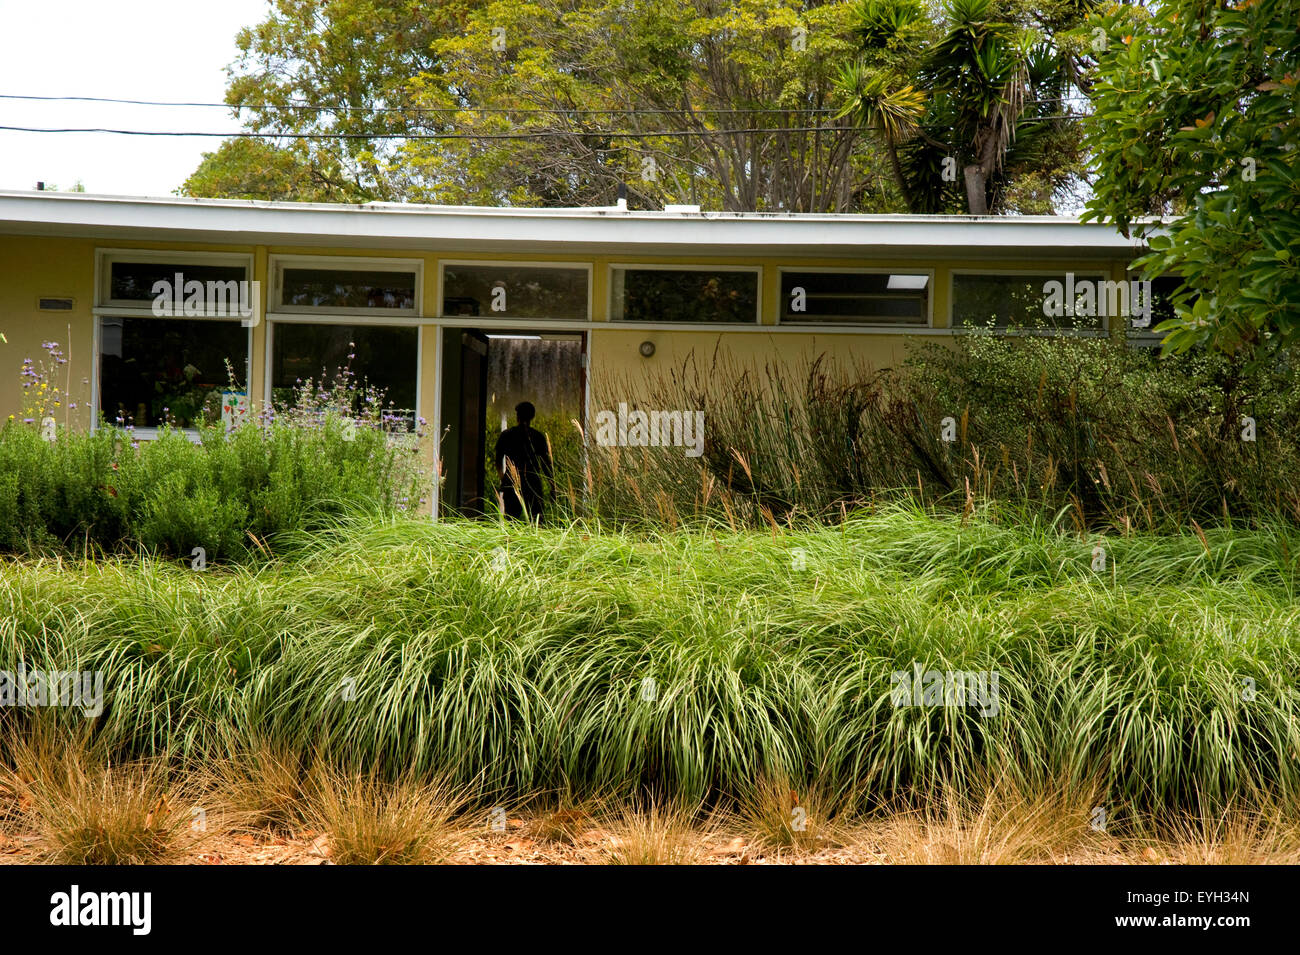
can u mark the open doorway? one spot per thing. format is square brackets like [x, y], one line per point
[486, 373]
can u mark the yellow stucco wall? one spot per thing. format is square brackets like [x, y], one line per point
[31, 268]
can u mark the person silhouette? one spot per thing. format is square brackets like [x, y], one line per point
[523, 458]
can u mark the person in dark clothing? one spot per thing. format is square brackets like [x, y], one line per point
[523, 457]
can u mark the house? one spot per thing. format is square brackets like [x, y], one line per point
[162, 306]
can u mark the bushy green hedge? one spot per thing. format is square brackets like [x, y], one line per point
[105, 491]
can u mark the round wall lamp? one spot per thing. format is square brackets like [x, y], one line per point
[647, 349]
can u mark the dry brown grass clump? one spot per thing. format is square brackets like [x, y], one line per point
[1265, 834]
[784, 817]
[369, 821]
[265, 789]
[88, 811]
[656, 834]
[1001, 826]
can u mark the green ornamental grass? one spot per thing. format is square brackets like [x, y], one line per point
[513, 660]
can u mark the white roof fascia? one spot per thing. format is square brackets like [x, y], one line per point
[465, 228]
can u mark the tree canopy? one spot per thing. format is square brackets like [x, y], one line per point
[977, 111]
[1195, 119]
[742, 105]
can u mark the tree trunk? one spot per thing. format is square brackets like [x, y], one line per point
[977, 174]
[898, 175]
[976, 203]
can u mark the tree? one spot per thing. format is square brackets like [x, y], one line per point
[257, 169]
[989, 90]
[341, 68]
[873, 84]
[680, 100]
[731, 104]
[1196, 104]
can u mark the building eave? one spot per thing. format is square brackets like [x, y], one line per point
[585, 231]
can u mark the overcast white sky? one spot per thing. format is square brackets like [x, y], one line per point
[125, 49]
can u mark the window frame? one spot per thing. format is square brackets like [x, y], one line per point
[106, 307]
[1147, 335]
[1102, 329]
[757, 270]
[853, 270]
[268, 346]
[475, 320]
[105, 257]
[96, 373]
[277, 263]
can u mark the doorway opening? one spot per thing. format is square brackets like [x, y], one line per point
[485, 374]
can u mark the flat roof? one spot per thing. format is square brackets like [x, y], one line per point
[599, 230]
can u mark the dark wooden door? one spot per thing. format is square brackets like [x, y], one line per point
[473, 420]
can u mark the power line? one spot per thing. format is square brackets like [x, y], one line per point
[545, 110]
[539, 134]
[536, 134]
[555, 111]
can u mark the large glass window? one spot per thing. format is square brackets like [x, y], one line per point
[855, 298]
[1042, 300]
[156, 371]
[515, 291]
[347, 288]
[382, 357]
[134, 282]
[685, 295]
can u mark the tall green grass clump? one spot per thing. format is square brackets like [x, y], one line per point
[513, 660]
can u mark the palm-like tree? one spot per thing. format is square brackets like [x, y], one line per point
[972, 89]
[893, 113]
[982, 65]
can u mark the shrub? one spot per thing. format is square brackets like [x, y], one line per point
[1040, 424]
[226, 493]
